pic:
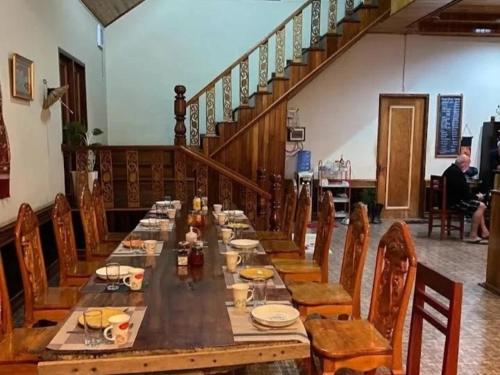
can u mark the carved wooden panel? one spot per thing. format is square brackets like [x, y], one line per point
[251, 205]
[356, 245]
[5, 309]
[157, 184]
[87, 215]
[100, 211]
[302, 217]
[289, 209]
[30, 256]
[82, 158]
[133, 194]
[395, 269]
[225, 191]
[62, 223]
[4, 157]
[202, 179]
[106, 165]
[180, 176]
[326, 222]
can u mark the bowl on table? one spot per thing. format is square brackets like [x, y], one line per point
[151, 222]
[133, 244]
[124, 271]
[275, 315]
[238, 225]
[244, 244]
[234, 213]
[253, 273]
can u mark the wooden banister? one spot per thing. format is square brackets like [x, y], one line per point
[295, 88]
[223, 170]
[249, 52]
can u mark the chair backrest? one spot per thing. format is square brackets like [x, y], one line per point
[87, 214]
[355, 250]
[5, 308]
[302, 219]
[450, 290]
[324, 233]
[30, 257]
[437, 193]
[100, 210]
[62, 223]
[395, 269]
[289, 209]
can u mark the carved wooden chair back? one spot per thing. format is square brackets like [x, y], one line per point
[451, 291]
[355, 250]
[395, 268]
[62, 223]
[30, 257]
[87, 214]
[289, 209]
[5, 308]
[100, 211]
[302, 219]
[324, 233]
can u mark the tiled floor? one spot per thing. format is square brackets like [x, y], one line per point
[480, 329]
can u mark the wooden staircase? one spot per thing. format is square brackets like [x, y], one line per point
[253, 135]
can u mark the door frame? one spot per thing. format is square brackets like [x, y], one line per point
[424, 142]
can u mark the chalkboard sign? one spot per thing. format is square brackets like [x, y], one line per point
[449, 125]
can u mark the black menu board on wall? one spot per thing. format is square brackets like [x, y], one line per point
[449, 125]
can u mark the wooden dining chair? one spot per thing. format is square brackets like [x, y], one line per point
[315, 269]
[72, 272]
[342, 297]
[452, 292]
[364, 345]
[94, 249]
[101, 219]
[286, 232]
[438, 209]
[40, 300]
[293, 249]
[18, 345]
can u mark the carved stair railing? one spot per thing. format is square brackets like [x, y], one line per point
[221, 184]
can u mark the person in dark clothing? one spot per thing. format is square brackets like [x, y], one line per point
[460, 198]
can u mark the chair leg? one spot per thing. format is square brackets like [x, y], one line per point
[462, 223]
[429, 230]
[448, 224]
[443, 225]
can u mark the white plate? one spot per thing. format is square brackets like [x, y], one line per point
[234, 212]
[163, 203]
[101, 272]
[150, 222]
[244, 243]
[275, 315]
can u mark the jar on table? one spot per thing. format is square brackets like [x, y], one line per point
[196, 257]
[183, 254]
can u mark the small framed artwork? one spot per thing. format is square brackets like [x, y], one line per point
[22, 77]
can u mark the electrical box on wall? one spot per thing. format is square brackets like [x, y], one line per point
[100, 36]
[296, 134]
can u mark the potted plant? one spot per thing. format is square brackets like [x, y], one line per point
[76, 134]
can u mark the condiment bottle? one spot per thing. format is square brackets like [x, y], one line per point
[197, 202]
[182, 258]
[196, 257]
[192, 236]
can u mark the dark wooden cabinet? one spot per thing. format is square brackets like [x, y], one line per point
[489, 138]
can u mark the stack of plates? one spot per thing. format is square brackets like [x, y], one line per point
[101, 272]
[234, 212]
[244, 243]
[150, 222]
[163, 203]
[275, 316]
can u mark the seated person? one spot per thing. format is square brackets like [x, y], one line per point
[461, 199]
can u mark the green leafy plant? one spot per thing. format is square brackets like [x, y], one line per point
[76, 134]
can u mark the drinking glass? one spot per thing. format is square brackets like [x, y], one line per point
[92, 323]
[259, 292]
[113, 275]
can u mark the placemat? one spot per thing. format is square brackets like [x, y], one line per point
[233, 278]
[144, 228]
[127, 252]
[259, 250]
[71, 336]
[245, 330]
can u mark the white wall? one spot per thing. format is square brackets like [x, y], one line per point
[36, 29]
[340, 107]
[162, 43]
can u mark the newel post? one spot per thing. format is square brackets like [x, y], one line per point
[261, 201]
[180, 115]
[274, 220]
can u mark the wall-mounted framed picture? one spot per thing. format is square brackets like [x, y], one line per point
[23, 76]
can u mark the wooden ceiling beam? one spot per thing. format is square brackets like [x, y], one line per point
[108, 11]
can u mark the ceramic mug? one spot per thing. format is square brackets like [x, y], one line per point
[134, 279]
[217, 208]
[117, 331]
[232, 260]
[221, 218]
[177, 204]
[227, 235]
[241, 295]
[171, 213]
[150, 246]
[163, 225]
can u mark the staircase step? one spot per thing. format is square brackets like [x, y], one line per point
[314, 56]
[277, 85]
[295, 71]
[260, 100]
[209, 143]
[242, 111]
[331, 42]
[348, 26]
[226, 129]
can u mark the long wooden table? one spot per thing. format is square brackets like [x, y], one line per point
[186, 325]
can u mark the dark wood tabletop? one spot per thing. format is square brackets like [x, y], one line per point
[186, 307]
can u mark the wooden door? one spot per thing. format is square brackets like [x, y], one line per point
[72, 73]
[402, 137]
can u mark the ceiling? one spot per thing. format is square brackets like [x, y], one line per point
[108, 11]
[459, 17]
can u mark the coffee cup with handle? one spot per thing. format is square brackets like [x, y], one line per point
[241, 295]
[232, 260]
[117, 331]
[134, 279]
